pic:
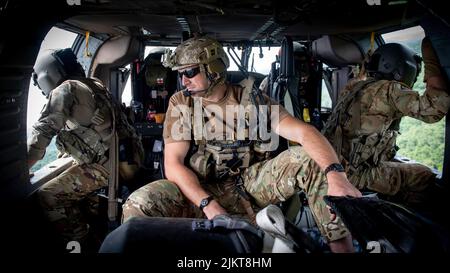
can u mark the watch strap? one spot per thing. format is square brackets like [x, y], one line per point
[334, 167]
[205, 202]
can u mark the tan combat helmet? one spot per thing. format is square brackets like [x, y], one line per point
[204, 51]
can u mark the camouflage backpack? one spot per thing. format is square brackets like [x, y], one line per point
[85, 144]
[364, 149]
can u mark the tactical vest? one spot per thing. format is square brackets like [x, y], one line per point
[222, 159]
[89, 144]
[362, 150]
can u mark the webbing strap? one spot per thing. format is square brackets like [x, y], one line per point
[104, 96]
[225, 222]
[343, 107]
[113, 182]
[86, 49]
[197, 111]
[272, 221]
[247, 83]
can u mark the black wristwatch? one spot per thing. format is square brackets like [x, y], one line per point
[205, 202]
[334, 167]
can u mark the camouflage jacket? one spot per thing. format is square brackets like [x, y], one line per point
[364, 127]
[73, 109]
[217, 142]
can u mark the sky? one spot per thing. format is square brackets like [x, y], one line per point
[404, 35]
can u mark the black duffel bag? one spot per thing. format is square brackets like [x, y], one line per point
[222, 235]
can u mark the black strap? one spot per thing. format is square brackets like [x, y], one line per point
[225, 222]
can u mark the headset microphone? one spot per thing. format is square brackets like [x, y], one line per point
[186, 92]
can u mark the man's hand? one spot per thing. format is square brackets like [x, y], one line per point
[213, 209]
[338, 185]
[31, 163]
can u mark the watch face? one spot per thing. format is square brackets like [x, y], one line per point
[205, 202]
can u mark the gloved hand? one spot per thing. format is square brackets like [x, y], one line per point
[432, 65]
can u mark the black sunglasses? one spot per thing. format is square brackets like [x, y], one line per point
[190, 73]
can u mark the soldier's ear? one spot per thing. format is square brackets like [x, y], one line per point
[216, 66]
[212, 75]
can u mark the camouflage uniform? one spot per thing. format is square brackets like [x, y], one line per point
[365, 134]
[268, 182]
[60, 197]
[70, 105]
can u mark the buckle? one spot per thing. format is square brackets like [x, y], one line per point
[201, 225]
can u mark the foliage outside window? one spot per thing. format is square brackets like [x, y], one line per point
[418, 140]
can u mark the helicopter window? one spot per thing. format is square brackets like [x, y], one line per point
[415, 141]
[256, 63]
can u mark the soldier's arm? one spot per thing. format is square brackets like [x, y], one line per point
[185, 179]
[320, 150]
[52, 120]
[430, 107]
[435, 102]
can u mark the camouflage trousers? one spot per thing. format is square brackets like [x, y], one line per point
[267, 182]
[60, 198]
[405, 181]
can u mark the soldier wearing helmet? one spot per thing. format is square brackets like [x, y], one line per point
[87, 122]
[365, 123]
[213, 175]
[202, 55]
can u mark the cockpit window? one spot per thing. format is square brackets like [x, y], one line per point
[260, 59]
